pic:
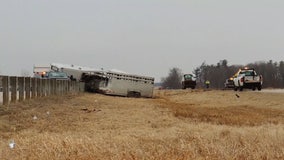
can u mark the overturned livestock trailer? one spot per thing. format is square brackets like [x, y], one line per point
[120, 84]
[112, 82]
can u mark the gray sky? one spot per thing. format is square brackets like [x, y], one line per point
[146, 37]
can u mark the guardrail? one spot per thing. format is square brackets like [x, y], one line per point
[15, 89]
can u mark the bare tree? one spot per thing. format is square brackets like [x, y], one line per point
[173, 80]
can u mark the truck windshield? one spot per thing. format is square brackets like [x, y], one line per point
[57, 75]
[248, 73]
[188, 77]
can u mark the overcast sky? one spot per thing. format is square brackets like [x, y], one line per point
[145, 37]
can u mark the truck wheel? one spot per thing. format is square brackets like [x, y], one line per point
[253, 88]
[241, 88]
[259, 88]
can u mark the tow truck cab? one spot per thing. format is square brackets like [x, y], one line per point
[248, 78]
[188, 81]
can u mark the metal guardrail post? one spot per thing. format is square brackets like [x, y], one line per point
[53, 87]
[46, 87]
[61, 87]
[48, 83]
[38, 88]
[21, 83]
[13, 84]
[34, 87]
[72, 86]
[28, 87]
[43, 88]
[5, 86]
[66, 87]
[57, 88]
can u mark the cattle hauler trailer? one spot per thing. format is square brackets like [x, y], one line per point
[120, 84]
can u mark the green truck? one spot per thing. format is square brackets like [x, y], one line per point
[188, 81]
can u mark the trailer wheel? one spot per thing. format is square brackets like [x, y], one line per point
[133, 94]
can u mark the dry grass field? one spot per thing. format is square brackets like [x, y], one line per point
[176, 124]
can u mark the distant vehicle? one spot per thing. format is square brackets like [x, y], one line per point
[229, 83]
[57, 76]
[40, 71]
[188, 81]
[248, 78]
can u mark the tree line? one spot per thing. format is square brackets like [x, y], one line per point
[272, 72]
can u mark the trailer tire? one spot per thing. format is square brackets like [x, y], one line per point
[134, 94]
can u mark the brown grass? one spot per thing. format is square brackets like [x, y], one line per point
[251, 109]
[174, 125]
